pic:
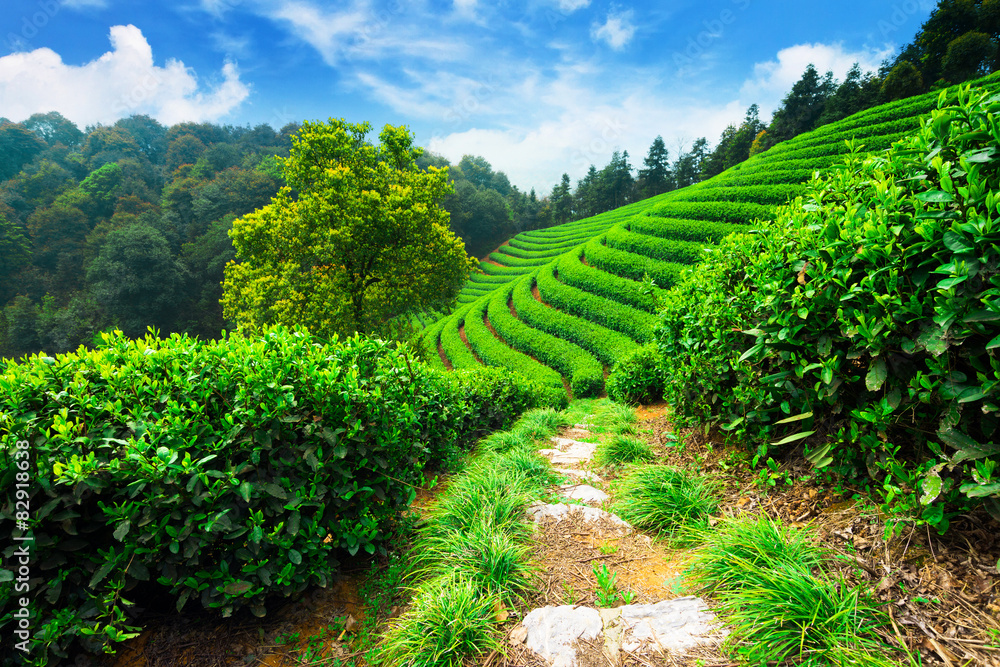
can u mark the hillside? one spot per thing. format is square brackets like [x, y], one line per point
[562, 305]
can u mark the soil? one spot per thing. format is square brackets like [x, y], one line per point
[441, 353]
[941, 591]
[538, 295]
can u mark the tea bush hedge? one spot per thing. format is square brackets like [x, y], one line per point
[219, 473]
[633, 293]
[864, 322]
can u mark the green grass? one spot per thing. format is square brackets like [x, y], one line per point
[754, 542]
[621, 449]
[470, 559]
[778, 604]
[540, 424]
[672, 502]
[785, 613]
[449, 619]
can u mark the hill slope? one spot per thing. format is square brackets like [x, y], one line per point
[563, 304]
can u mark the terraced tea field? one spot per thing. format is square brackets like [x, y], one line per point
[561, 305]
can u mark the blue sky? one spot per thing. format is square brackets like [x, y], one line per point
[537, 87]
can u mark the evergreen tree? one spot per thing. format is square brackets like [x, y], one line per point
[802, 108]
[657, 177]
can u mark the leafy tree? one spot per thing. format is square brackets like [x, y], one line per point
[102, 187]
[857, 92]
[588, 195]
[657, 177]
[688, 167]
[15, 254]
[136, 279]
[147, 133]
[185, 149]
[489, 220]
[364, 242]
[18, 147]
[20, 328]
[969, 56]
[53, 128]
[618, 183]
[902, 81]
[108, 144]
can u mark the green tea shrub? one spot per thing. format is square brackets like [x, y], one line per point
[221, 472]
[865, 320]
[637, 377]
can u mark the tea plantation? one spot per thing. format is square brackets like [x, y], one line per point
[562, 305]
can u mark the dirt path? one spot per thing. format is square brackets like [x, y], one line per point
[441, 353]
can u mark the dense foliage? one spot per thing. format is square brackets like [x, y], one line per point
[123, 225]
[354, 241]
[218, 473]
[863, 321]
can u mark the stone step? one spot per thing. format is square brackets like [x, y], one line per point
[579, 474]
[584, 493]
[673, 626]
[569, 452]
[562, 512]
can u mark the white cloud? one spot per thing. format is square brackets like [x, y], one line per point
[574, 121]
[329, 32]
[465, 8]
[121, 82]
[573, 5]
[772, 79]
[617, 31]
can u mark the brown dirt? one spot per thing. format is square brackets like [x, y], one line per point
[538, 295]
[942, 592]
[510, 304]
[497, 249]
[444, 357]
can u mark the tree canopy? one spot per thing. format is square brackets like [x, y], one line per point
[356, 239]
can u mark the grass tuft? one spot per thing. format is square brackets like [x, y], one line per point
[777, 603]
[539, 423]
[450, 619]
[754, 542]
[503, 442]
[784, 613]
[620, 449]
[666, 500]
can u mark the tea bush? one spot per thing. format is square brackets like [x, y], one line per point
[637, 377]
[219, 473]
[865, 320]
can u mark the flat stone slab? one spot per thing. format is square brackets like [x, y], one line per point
[552, 632]
[569, 452]
[670, 626]
[583, 493]
[675, 625]
[579, 474]
[562, 511]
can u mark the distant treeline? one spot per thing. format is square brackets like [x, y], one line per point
[958, 42]
[128, 225]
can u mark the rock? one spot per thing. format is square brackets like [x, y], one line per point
[581, 427]
[584, 493]
[672, 625]
[579, 474]
[569, 452]
[561, 511]
[553, 630]
[669, 626]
